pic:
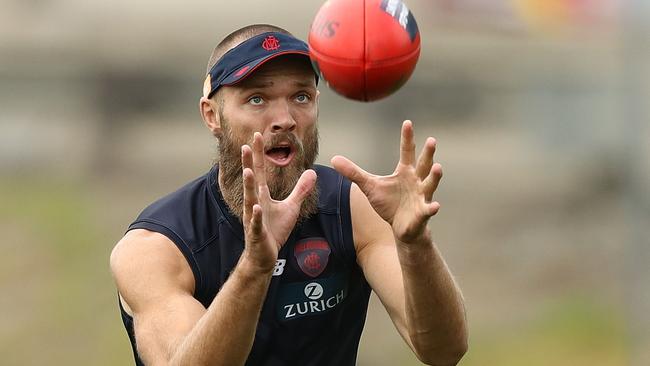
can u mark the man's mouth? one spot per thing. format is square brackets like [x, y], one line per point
[280, 154]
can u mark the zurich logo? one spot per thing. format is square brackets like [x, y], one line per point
[313, 291]
[310, 298]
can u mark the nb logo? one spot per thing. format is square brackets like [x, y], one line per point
[313, 291]
[279, 267]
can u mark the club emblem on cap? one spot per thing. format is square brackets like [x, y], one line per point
[312, 255]
[271, 43]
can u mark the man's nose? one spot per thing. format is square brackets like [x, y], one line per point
[283, 120]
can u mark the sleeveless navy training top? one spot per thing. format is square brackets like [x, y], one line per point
[315, 308]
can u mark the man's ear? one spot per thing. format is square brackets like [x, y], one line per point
[210, 115]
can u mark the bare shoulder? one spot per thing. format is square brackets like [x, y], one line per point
[147, 265]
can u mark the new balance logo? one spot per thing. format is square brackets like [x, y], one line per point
[279, 267]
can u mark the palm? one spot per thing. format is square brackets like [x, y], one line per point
[279, 219]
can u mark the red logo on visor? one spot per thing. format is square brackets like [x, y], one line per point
[271, 43]
[242, 70]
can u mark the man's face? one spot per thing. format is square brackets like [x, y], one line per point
[280, 101]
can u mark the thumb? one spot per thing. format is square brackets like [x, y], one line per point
[303, 187]
[351, 171]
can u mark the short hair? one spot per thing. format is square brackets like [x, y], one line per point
[240, 35]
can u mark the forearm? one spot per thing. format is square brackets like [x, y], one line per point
[434, 307]
[225, 333]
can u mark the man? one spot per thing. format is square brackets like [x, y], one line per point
[269, 259]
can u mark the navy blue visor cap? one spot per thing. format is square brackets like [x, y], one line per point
[239, 62]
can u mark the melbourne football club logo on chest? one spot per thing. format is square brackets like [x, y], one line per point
[312, 255]
[310, 294]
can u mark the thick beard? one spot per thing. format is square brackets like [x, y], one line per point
[280, 180]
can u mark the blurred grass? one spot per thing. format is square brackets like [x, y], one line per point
[59, 302]
[57, 291]
[575, 330]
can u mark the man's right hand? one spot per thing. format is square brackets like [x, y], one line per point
[267, 222]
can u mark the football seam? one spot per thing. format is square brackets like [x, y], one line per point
[392, 59]
[355, 61]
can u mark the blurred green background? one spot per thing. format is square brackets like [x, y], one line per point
[539, 106]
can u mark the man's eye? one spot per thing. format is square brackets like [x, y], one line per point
[302, 98]
[256, 100]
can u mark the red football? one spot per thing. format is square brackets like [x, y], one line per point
[364, 49]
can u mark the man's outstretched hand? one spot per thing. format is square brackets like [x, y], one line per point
[404, 199]
[267, 222]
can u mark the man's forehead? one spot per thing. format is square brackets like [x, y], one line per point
[297, 69]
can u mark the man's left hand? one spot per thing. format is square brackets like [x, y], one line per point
[404, 199]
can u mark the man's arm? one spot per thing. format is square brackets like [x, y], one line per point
[415, 287]
[171, 327]
[156, 283]
[394, 248]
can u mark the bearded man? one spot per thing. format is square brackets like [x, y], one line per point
[269, 259]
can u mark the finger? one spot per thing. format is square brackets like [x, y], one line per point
[258, 159]
[248, 177]
[303, 188]
[250, 194]
[246, 157]
[425, 160]
[351, 171]
[433, 208]
[426, 212]
[256, 222]
[430, 184]
[407, 146]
